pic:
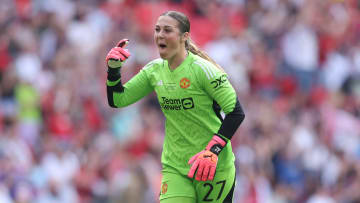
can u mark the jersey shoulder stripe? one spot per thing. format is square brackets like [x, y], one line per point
[153, 63]
[206, 67]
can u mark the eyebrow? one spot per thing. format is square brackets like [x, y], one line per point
[165, 26]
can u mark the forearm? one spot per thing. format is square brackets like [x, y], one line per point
[123, 95]
[113, 85]
[232, 121]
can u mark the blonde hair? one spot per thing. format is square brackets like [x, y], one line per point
[191, 46]
[184, 26]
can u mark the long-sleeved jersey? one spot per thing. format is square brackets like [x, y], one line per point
[191, 97]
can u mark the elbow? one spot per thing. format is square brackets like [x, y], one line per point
[240, 114]
[238, 117]
[113, 106]
[111, 102]
[110, 96]
[241, 117]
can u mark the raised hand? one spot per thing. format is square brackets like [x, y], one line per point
[117, 55]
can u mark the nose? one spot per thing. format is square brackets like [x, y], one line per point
[160, 34]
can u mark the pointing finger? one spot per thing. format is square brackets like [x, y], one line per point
[122, 43]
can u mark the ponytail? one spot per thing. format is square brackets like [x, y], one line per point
[191, 46]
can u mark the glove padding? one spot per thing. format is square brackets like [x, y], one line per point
[117, 55]
[205, 161]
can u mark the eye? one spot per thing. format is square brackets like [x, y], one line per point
[157, 29]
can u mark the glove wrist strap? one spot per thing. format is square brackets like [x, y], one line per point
[216, 149]
[216, 144]
[114, 64]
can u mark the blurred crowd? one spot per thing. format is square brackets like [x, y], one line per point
[294, 63]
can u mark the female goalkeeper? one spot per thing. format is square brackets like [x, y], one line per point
[197, 158]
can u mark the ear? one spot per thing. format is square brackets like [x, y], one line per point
[185, 37]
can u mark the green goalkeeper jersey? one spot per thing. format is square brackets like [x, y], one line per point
[188, 97]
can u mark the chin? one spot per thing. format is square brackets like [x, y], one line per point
[163, 55]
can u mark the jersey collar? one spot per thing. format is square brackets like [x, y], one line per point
[185, 63]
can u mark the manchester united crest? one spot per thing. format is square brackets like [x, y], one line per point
[164, 188]
[184, 83]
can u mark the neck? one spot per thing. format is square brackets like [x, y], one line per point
[176, 60]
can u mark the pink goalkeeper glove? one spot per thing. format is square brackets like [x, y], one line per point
[117, 55]
[205, 161]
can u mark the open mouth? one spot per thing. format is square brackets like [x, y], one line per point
[162, 46]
